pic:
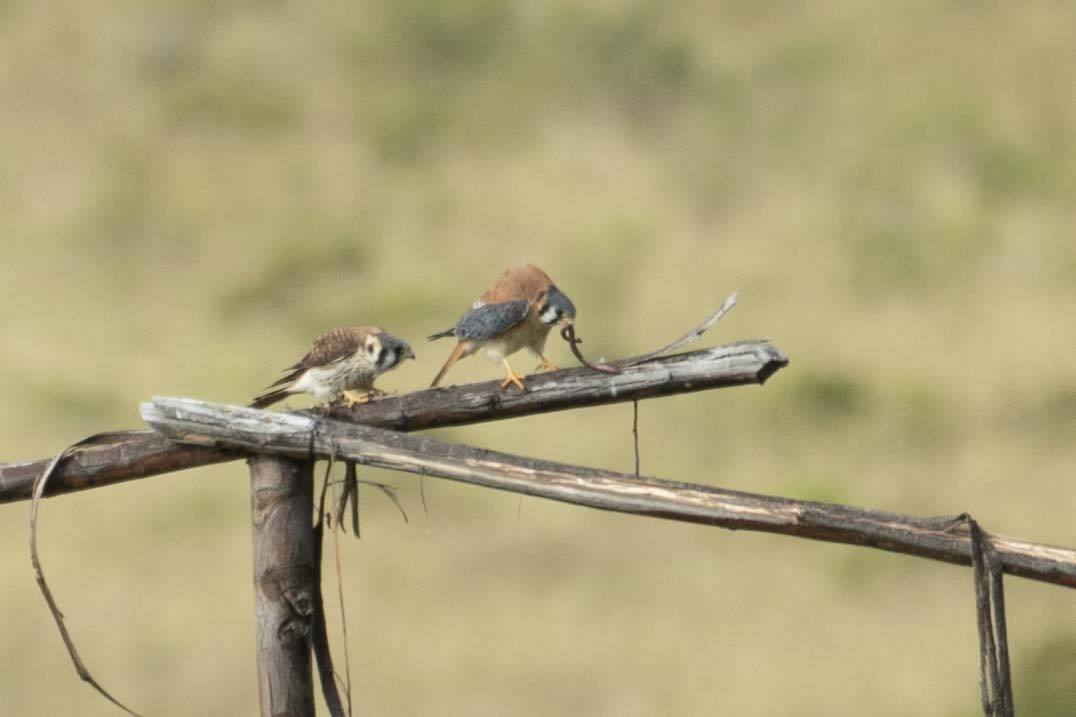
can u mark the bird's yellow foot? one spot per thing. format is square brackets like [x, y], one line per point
[546, 365]
[353, 398]
[513, 377]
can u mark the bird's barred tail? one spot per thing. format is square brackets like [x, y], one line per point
[442, 334]
[452, 358]
[268, 399]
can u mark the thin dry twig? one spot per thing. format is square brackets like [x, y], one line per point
[687, 338]
[343, 612]
[635, 433]
[39, 575]
[568, 334]
[329, 463]
[422, 497]
[389, 491]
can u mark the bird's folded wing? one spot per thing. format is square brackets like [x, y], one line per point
[490, 320]
[333, 346]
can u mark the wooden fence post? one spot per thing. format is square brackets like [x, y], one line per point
[281, 491]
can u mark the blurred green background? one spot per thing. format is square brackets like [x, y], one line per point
[191, 192]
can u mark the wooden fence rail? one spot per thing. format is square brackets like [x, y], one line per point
[282, 448]
[127, 455]
[300, 436]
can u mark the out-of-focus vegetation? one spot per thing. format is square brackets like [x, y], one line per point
[190, 192]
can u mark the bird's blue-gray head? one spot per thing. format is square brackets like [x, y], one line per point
[556, 308]
[386, 351]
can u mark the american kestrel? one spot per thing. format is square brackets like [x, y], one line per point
[518, 310]
[343, 363]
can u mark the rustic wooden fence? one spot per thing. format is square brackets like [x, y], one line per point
[282, 447]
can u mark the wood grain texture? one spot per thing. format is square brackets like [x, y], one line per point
[282, 497]
[301, 436]
[127, 455]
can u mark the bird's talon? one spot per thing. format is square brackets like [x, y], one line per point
[354, 398]
[547, 365]
[516, 379]
[512, 377]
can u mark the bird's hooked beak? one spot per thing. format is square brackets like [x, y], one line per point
[407, 353]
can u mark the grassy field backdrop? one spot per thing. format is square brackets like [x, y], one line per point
[190, 192]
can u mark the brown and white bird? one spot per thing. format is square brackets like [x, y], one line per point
[517, 311]
[343, 363]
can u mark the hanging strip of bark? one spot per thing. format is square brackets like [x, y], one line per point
[39, 487]
[319, 630]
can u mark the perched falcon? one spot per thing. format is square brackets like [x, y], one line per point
[518, 310]
[343, 363]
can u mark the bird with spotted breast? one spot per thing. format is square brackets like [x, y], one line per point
[343, 363]
[517, 312]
